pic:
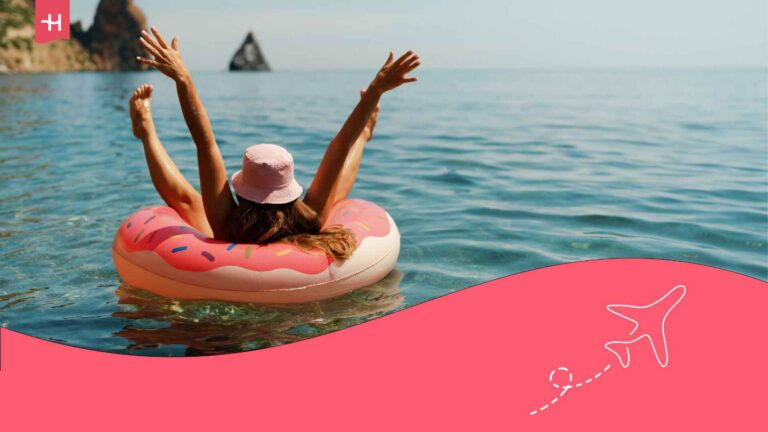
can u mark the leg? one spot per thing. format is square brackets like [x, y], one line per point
[168, 180]
[346, 180]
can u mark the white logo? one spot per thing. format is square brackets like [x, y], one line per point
[50, 22]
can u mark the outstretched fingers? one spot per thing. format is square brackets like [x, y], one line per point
[147, 61]
[150, 48]
[403, 58]
[393, 73]
[411, 62]
[166, 59]
[389, 59]
[150, 40]
[411, 67]
[159, 37]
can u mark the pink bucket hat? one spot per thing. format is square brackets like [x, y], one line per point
[267, 175]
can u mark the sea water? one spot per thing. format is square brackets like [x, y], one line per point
[487, 173]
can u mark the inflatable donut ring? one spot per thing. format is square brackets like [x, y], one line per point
[156, 250]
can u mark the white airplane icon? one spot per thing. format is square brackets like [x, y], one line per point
[649, 323]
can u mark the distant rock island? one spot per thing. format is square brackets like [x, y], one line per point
[110, 44]
[249, 56]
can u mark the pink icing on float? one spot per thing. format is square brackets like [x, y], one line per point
[156, 250]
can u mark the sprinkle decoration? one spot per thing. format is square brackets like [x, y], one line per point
[362, 225]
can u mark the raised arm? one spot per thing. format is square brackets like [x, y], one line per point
[214, 182]
[320, 195]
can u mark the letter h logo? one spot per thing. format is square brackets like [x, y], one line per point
[51, 20]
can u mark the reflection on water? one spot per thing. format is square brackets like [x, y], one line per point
[158, 325]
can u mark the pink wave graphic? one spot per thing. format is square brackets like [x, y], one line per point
[603, 345]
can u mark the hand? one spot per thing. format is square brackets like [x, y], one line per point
[392, 74]
[167, 58]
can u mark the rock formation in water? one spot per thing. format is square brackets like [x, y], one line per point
[249, 57]
[110, 44]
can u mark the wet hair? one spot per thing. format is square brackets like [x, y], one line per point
[293, 223]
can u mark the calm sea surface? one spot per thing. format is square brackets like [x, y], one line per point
[487, 173]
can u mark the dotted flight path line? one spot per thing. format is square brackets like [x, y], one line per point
[568, 386]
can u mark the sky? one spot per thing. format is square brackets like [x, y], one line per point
[345, 34]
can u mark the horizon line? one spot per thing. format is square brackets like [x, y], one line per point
[505, 68]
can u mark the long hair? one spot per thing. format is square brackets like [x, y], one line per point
[293, 223]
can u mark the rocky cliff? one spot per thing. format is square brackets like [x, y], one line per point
[249, 56]
[113, 39]
[110, 44]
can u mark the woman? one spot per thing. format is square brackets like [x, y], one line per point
[268, 206]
